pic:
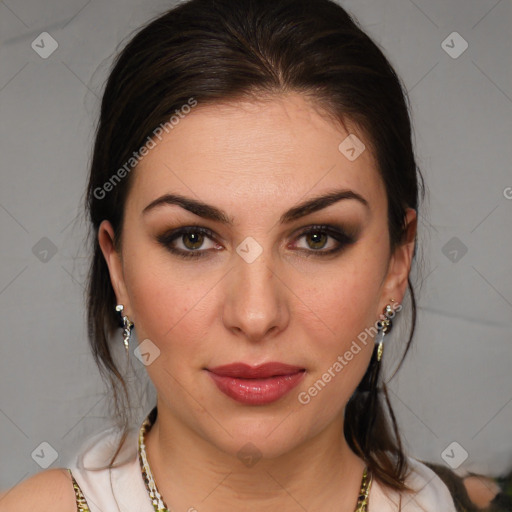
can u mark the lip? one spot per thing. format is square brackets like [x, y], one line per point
[256, 385]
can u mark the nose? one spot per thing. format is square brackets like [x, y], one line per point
[255, 305]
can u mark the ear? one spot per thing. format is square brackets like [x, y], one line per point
[395, 284]
[114, 263]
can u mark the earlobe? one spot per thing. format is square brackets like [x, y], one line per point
[106, 237]
[401, 261]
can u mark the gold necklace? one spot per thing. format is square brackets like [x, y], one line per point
[158, 501]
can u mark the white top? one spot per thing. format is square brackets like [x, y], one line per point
[122, 488]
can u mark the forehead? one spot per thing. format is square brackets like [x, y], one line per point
[271, 152]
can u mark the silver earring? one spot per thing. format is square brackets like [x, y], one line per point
[384, 326]
[127, 324]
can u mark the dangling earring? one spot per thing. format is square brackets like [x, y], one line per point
[385, 326]
[127, 328]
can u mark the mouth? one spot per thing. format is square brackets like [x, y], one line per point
[256, 385]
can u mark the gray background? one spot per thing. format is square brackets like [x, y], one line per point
[456, 385]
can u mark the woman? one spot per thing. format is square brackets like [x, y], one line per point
[253, 196]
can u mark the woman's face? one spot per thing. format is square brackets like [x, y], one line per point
[246, 283]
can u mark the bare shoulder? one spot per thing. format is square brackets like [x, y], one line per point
[49, 490]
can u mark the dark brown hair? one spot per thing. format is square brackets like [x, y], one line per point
[224, 50]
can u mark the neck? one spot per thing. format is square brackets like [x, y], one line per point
[319, 475]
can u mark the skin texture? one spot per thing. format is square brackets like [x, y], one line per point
[49, 490]
[255, 160]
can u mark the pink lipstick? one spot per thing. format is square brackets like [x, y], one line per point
[256, 385]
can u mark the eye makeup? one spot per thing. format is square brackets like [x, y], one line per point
[192, 240]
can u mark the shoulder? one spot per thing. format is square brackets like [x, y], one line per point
[428, 486]
[49, 490]
[428, 492]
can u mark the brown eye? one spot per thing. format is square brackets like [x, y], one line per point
[316, 240]
[323, 240]
[193, 240]
[189, 241]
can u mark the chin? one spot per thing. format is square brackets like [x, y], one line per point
[269, 437]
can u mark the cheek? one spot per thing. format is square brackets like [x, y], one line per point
[338, 319]
[343, 303]
[169, 306]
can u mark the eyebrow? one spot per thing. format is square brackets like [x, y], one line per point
[213, 213]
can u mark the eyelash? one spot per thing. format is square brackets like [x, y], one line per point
[340, 236]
